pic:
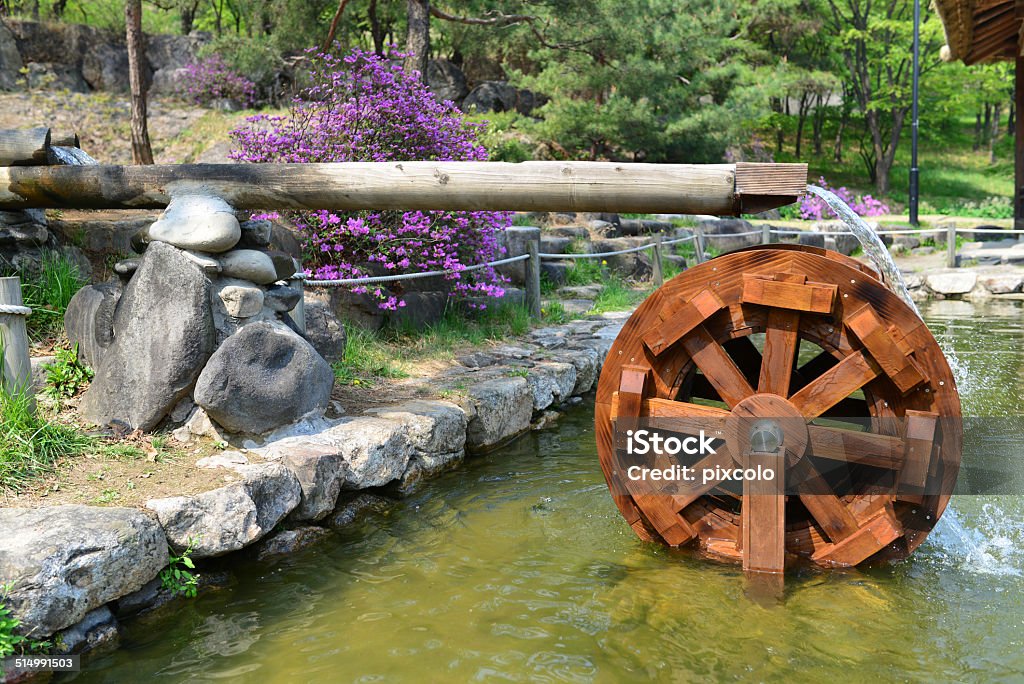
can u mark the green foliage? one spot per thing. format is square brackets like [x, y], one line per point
[365, 358]
[617, 296]
[179, 576]
[31, 445]
[554, 312]
[48, 294]
[67, 374]
[10, 642]
[990, 207]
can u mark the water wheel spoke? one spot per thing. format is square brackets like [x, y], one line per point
[780, 346]
[836, 384]
[850, 446]
[717, 366]
[803, 375]
[716, 462]
[825, 507]
[763, 517]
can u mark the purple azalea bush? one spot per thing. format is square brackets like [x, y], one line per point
[212, 79]
[363, 107]
[813, 207]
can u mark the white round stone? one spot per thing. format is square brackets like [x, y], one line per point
[249, 264]
[204, 224]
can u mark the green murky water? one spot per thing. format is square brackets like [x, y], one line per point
[517, 567]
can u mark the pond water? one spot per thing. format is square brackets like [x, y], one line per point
[517, 567]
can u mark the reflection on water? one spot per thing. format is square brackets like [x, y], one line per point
[518, 568]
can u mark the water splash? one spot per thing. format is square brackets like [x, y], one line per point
[989, 543]
[71, 156]
[870, 243]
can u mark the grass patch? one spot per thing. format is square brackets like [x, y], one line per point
[388, 353]
[616, 295]
[31, 445]
[49, 293]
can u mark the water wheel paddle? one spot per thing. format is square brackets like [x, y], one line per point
[799, 360]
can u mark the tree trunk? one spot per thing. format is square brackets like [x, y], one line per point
[188, 18]
[418, 39]
[977, 131]
[801, 119]
[376, 30]
[1011, 120]
[837, 146]
[986, 125]
[818, 123]
[996, 111]
[142, 152]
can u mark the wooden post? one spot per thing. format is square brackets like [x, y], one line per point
[951, 245]
[1018, 143]
[533, 277]
[16, 368]
[656, 274]
[698, 244]
[24, 147]
[766, 234]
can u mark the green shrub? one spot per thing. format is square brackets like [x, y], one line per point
[67, 374]
[990, 207]
[178, 576]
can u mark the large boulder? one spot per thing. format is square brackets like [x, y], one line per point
[10, 60]
[232, 517]
[491, 96]
[321, 476]
[205, 224]
[446, 81]
[728, 232]
[263, 377]
[65, 561]
[105, 67]
[163, 336]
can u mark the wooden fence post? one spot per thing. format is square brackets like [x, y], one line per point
[766, 234]
[298, 314]
[656, 274]
[16, 371]
[533, 276]
[698, 244]
[951, 245]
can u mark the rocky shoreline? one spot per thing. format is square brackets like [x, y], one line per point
[77, 571]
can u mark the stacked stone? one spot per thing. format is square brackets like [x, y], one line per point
[200, 329]
[24, 237]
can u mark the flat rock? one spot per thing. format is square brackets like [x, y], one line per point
[97, 631]
[263, 377]
[164, 335]
[1003, 283]
[226, 459]
[229, 518]
[952, 282]
[580, 291]
[205, 224]
[375, 451]
[249, 264]
[500, 408]
[577, 306]
[241, 299]
[433, 426]
[66, 561]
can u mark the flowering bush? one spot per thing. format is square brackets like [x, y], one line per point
[367, 108]
[813, 207]
[212, 79]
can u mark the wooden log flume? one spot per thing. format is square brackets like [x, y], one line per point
[718, 189]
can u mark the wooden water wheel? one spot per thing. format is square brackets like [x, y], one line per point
[808, 340]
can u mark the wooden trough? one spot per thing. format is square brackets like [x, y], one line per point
[803, 338]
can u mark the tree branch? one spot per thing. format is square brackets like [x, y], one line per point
[334, 25]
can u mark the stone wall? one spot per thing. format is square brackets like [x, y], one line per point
[79, 570]
[83, 58]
